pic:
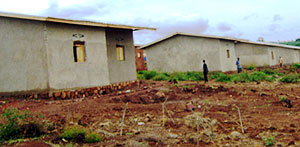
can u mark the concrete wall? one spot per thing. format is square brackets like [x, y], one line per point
[120, 71]
[289, 56]
[184, 53]
[252, 54]
[64, 73]
[23, 65]
[227, 62]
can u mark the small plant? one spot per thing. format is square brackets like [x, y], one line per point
[269, 141]
[251, 67]
[295, 66]
[282, 98]
[92, 137]
[224, 78]
[80, 134]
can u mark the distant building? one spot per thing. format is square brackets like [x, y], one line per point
[43, 54]
[140, 59]
[185, 52]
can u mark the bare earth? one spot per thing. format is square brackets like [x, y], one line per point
[216, 109]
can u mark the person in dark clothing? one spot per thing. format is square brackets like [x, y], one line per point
[205, 71]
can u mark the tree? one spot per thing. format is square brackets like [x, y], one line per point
[261, 39]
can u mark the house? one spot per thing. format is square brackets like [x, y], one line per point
[185, 52]
[47, 54]
[139, 59]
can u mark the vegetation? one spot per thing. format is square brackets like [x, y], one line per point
[293, 43]
[15, 124]
[254, 76]
[80, 134]
[290, 78]
[282, 98]
[295, 66]
[269, 141]
[251, 67]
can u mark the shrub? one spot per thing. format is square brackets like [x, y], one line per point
[290, 78]
[269, 141]
[16, 124]
[251, 67]
[140, 77]
[80, 134]
[269, 71]
[195, 76]
[149, 74]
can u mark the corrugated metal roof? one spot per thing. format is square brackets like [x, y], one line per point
[220, 37]
[75, 22]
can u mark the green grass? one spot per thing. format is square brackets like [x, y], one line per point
[290, 78]
[269, 141]
[72, 132]
[251, 67]
[254, 76]
[16, 124]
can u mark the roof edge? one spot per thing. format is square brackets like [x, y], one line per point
[75, 22]
[219, 37]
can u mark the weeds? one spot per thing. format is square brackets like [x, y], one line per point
[80, 134]
[290, 78]
[282, 98]
[15, 124]
[269, 141]
[251, 67]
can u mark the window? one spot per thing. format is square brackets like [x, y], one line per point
[228, 53]
[79, 51]
[139, 55]
[120, 53]
[272, 55]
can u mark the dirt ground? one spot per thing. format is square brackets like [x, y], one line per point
[213, 122]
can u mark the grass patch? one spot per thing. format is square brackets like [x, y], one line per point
[80, 134]
[15, 124]
[251, 67]
[290, 78]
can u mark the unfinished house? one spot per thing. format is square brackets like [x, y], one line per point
[139, 59]
[185, 52]
[43, 53]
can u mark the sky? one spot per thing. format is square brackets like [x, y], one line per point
[274, 20]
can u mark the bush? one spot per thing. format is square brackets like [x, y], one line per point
[214, 75]
[251, 67]
[290, 78]
[269, 141]
[258, 76]
[16, 124]
[149, 74]
[282, 98]
[195, 76]
[140, 77]
[80, 134]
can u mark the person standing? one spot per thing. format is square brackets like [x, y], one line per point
[238, 64]
[205, 71]
[280, 61]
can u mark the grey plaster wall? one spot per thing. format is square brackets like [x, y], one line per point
[184, 53]
[289, 56]
[252, 54]
[23, 65]
[227, 63]
[120, 71]
[64, 73]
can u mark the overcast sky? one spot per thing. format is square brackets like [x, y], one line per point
[247, 19]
